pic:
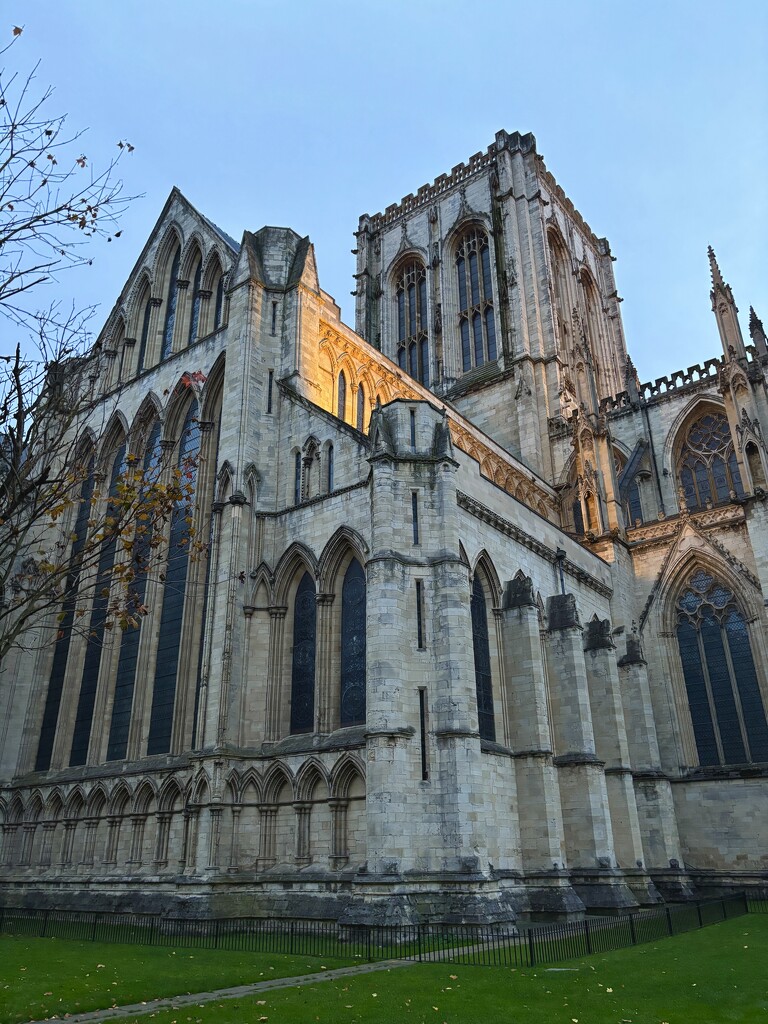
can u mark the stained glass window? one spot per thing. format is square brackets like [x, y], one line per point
[477, 327]
[170, 306]
[219, 312]
[342, 396]
[726, 706]
[125, 680]
[303, 662]
[64, 637]
[481, 647]
[95, 642]
[707, 463]
[412, 323]
[194, 320]
[144, 334]
[174, 590]
[353, 645]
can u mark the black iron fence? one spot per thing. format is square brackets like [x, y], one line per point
[492, 945]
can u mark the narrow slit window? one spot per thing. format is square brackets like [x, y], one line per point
[274, 318]
[330, 468]
[413, 428]
[420, 640]
[415, 516]
[423, 734]
[270, 385]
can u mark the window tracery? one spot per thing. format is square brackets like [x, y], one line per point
[724, 698]
[303, 662]
[707, 464]
[353, 645]
[477, 327]
[412, 322]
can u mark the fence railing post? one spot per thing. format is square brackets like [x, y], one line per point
[93, 927]
[669, 921]
[418, 940]
[531, 949]
[698, 914]
[587, 936]
[632, 933]
[368, 944]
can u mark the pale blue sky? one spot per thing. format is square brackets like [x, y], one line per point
[651, 116]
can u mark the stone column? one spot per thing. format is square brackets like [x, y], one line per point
[302, 855]
[66, 846]
[274, 674]
[44, 860]
[268, 816]
[583, 791]
[214, 839]
[339, 848]
[234, 847]
[138, 822]
[113, 837]
[541, 822]
[653, 792]
[89, 841]
[611, 743]
[326, 708]
[161, 841]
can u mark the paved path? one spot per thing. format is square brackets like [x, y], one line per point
[194, 998]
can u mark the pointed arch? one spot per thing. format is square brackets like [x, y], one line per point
[336, 552]
[295, 557]
[75, 803]
[276, 779]
[171, 795]
[261, 586]
[703, 456]
[345, 772]
[35, 806]
[308, 776]
[120, 799]
[144, 797]
[97, 801]
[484, 565]
[251, 781]
[16, 810]
[54, 805]
[483, 600]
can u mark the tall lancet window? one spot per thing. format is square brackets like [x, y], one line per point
[170, 306]
[95, 643]
[482, 652]
[174, 591]
[303, 662]
[412, 323]
[147, 313]
[194, 320]
[476, 324]
[125, 680]
[707, 463]
[64, 637]
[342, 396]
[353, 645]
[726, 706]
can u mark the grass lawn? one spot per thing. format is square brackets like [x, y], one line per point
[707, 977]
[43, 977]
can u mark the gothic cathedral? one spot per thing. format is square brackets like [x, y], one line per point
[479, 632]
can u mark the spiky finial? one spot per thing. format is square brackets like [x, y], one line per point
[717, 277]
[757, 333]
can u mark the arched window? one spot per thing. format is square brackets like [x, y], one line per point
[297, 478]
[219, 308]
[724, 698]
[482, 652]
[360, 407]
[707, 462]
[329, 467]
[562, 310]
[352, 710]
[144, 332]
[171, 616]
[170, 306]
[95, 643]
[303, 663]
[476, 324]
[342, 396]
[194, 320]
[125, 679]
[412, 323]
[64, 636]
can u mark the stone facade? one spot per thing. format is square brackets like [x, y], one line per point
[480, 627]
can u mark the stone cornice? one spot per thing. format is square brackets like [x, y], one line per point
[497, 522]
